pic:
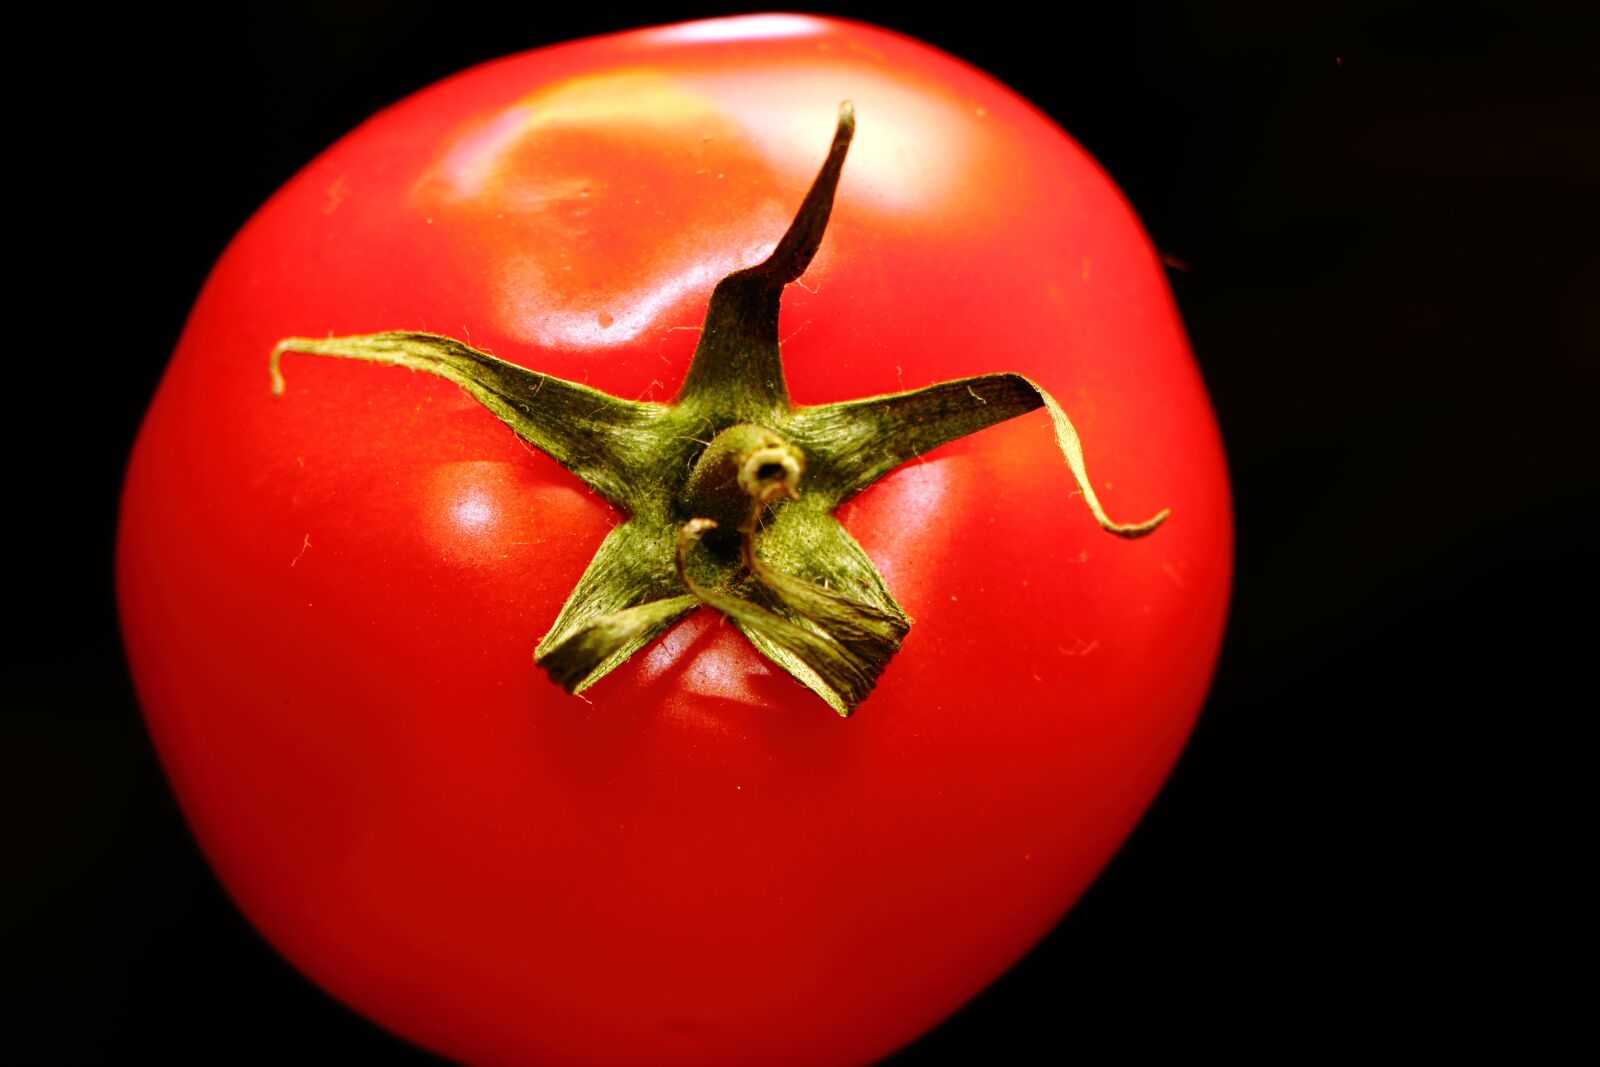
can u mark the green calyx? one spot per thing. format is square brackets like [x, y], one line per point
[730, 489]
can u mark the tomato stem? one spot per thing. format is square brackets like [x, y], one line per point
[739, 466]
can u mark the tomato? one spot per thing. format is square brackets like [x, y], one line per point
[330, 600]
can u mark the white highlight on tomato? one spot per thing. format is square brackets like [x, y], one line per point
[531, 303]
[740, 28]
[909, 153]
[472, 512]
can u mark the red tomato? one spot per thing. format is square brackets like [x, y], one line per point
[330, 600]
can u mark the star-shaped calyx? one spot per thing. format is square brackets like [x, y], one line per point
[730, 489]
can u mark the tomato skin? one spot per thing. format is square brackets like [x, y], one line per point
[330, 600]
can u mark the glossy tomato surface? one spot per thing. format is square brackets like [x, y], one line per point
[330, 600]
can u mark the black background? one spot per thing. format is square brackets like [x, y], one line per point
[1387, 225]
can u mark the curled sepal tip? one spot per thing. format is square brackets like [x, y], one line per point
[854, 443]
[800, 242]
[584, 657]
[1072, 449]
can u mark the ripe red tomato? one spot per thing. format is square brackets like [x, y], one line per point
[330, 600]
